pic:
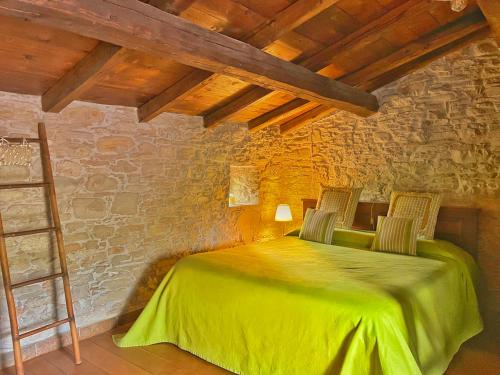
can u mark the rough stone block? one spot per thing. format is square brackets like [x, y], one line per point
[114, 144]
[125, 204]
[89, 208]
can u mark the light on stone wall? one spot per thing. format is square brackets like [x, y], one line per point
[243, 186]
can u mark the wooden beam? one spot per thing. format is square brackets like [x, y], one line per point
[428, 43]
[428, 58]
[365, 36]
[446, 34]
[389, 76]
[491, 10]
[173, 7]
[307, 117]
[179, 90]
[236, 104]
[277, 115]
[288, 19]
[285, 21]
[86, 73]
[81, 77]
[138, 26]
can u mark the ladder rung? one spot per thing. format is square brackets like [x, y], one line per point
[44, 328]
[19, 140]
[28, 232]
[23, 185]
[35, 281]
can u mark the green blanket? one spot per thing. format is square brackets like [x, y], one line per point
[296, 307]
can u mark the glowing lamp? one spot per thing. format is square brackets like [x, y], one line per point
[283, 213]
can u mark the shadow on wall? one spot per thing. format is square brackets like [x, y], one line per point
[137, 299]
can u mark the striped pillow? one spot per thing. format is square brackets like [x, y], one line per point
[342, 200]
[417, 205]
[318, 226]
[396, 235]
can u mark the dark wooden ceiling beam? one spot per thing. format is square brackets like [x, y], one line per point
[138, 26]
[464, 26]
[287, 20]
[86, 73]
[237, 104]
[366, 34]
[81, 77]
[446, 34]
[433, 47]
[277, 115]
[491, 10]
[282, 23]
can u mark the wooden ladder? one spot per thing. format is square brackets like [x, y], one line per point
[48, 184]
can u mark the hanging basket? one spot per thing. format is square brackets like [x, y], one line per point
[15, 153]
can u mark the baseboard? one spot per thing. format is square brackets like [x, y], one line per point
[58, 341]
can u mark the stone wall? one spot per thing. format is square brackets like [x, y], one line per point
[135, 197]
[132, 197]
[438, 129]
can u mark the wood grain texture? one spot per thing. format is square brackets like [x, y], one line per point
[312, 115]
[460, 33]
[270, 31]
[401, 25]
[491, 10]
[139, 26]
[448, 34]
[176, 7]
[277, 115]
[182, 88]
[290, 18]
[33, 57]
[83, 75]
[239, 103]
[365, 35]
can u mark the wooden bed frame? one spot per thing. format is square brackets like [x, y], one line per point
[454, 224]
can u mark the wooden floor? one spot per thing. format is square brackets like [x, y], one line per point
[102, 357]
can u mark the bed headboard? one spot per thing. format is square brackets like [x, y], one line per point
[454, 224]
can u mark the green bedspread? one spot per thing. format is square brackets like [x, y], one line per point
[296, 307]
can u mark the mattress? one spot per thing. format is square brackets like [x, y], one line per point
[291, 306]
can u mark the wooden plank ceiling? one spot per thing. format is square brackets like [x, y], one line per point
[363, 43]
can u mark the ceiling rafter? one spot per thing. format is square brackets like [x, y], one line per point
[86, 73]
[138, 26]
[277, 116]
[316, 62]
[81, 77]
[402, 62]
[283, 22]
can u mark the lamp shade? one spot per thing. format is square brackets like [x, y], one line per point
[283, 213]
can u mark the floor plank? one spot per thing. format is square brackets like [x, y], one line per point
[107, 361]
[183, 362]
[472, 361]
[141, 358]
[63, 360]
[480, 356]
[36, 366]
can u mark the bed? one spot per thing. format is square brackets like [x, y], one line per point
[290, 306]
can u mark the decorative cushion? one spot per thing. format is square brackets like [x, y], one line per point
[342, 200]
[396, 235]
[318, 226]
[417, 205]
